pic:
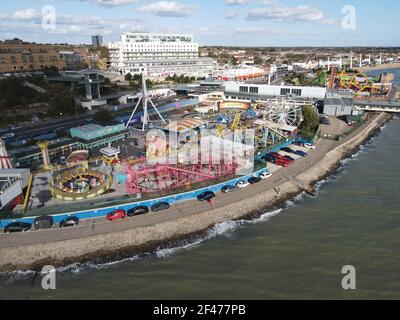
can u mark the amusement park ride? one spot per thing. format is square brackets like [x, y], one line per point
[360, 83]
[145, 178]
[279, 120]
[145, 99]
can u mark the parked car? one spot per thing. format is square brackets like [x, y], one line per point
[242, 184]
[301, 153]
[281, 157]
[69, 222]
[136, 211]
[206, 196]
[17, 227]
[288, 150]
[282, 163]
[309, 146]
[265, 175]
[324, 120]
[254, 180]
[268, 158]
[160, 206]
[43, 222]
[289, 158]
[229, 188]
[117, 214]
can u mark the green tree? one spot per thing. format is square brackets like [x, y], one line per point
[258, 60]
[103, 115]
[311, 120]
[128, 77]
[60, 99]
[51, 71]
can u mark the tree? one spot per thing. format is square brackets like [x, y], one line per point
[103, 115]
[60, 100]
[234, 61]
[311, 120]
[51, 71]
[258, 60]
[128, 77]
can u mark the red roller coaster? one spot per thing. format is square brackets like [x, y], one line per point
[145, 178]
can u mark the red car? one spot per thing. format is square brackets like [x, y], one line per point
[282, 163]
[117, 214]
[279, 156]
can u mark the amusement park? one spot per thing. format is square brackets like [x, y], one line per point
[214, 141]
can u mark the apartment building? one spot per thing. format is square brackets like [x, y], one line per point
[161, 55]
[19, 56]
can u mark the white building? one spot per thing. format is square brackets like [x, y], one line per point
[12, 185]
[243, 73]
[160, 54]
[246, 92]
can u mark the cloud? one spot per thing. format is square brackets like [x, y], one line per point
[237, 2]
[28, 24]
[27, 14]
[111, 3]
[168, 9]
[232, 14]
[282, 13]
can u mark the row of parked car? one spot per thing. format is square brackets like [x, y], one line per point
[46, 222]
[41, 222]
[209, 195]
[286, 160]
[136, 211]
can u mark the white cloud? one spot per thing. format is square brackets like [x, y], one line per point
[232, 14]
[237, 2]
[168, 9]
[27, 14]
[255, 30]
[27, 24]
[111, 3]
[279, 12]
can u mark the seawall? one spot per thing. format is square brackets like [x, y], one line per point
[147, 238]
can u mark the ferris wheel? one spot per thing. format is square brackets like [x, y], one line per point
[284, 114]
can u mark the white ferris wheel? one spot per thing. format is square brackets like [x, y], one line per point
[284, 114]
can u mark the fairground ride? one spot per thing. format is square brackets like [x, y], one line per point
[147, 178]
[279, 120]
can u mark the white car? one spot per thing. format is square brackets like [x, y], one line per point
[265, 175]
[309, 146]
[242, 184]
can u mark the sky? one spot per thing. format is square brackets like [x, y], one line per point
[211, 22]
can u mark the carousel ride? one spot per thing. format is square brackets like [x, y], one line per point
[78, 181]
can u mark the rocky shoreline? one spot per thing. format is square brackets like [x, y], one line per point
[121, 244]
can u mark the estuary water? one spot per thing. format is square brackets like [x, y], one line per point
[294, 252]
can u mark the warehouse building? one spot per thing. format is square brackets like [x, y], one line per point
[247, 92]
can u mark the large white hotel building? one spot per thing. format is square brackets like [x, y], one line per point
[160, 54]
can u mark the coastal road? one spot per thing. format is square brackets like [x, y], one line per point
[98, 226]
